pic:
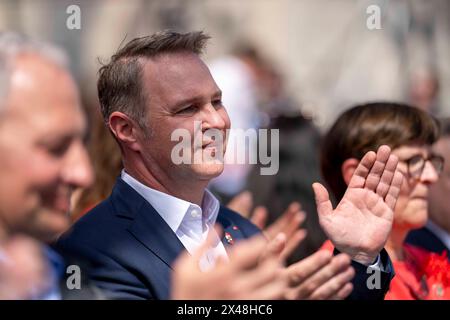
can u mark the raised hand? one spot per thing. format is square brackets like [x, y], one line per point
[362, 221]
[243, 203]
[289, 224]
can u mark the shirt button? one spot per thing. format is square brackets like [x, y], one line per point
[195, 213]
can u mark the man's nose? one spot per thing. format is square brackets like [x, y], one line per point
[77, 171]
[213, 119]
[429, 174]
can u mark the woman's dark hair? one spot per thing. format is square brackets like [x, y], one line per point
[366, 127]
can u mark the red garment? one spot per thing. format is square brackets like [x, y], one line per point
[82, 213]
[423, 275]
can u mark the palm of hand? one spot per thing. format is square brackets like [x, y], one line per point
[361, 223]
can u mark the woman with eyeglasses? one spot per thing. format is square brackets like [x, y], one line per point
[410, 133]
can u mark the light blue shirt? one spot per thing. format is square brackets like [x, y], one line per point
[55, 265]
[56, 269]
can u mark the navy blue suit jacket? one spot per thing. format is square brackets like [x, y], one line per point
[426, 239]
[132, 249]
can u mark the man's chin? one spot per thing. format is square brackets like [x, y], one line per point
[208, 171]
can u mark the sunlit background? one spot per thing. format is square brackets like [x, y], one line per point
[323, 49]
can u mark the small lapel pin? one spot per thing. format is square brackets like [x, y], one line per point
[229, 238]
[235, 228]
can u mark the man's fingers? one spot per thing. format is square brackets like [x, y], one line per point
[292, 227]
[336, 266]
[296, 221]
[323, 203]
[275, 247]
[335, 284]
[250, 280]
[292, 244]
[388, 175]
[214, 235]
[284, 220]
[394, 190]
[301, 270]
[259, 217]
[273, 290]
[343, 293]
[242, 203]
[375, 173]
[247, 253]
[358, 179]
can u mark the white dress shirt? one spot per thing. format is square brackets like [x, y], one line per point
[443, 235]
[190, 222]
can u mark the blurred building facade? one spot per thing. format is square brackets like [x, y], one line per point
[328, 55]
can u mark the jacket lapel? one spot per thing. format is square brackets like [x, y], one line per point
[231, 232]
[153, 232]
[148, 226]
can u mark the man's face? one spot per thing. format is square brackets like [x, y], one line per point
[181, 91]
[440, 191]
[42, 152]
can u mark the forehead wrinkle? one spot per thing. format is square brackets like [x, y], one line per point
[178, 76]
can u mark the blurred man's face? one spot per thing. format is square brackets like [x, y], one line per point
[41, 146]
[440, 191]
[182, 92]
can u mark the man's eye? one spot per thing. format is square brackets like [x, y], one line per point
[217, 103]
[189, 109]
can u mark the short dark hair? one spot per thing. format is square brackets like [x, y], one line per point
[120, 81]
[366, 127]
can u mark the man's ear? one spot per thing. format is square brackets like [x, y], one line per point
[348, 168]
[124, 129]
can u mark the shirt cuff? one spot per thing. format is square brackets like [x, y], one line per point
[377, 265]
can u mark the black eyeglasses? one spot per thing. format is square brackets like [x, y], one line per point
[416, 164]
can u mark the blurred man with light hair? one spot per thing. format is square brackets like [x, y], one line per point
[42, 130]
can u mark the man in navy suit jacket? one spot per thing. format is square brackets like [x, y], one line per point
[157, 90]
[131, 248]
